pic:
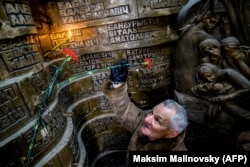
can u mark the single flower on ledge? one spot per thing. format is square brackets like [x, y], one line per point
[68, 52]
[147, 63]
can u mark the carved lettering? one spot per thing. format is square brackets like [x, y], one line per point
[128, 31]
[59, 39]
[85, 43]
[159, 4]
[89, 62]
[20, 53]
[7, 107]
[133, 24]
[131, 37]
[55, 124]
[85, 111]
[16, 114]
[40, 81]
[98, 81]
[73, 3]
[138, 55]
[12, 107]
[19, 14]
[78, 11]
[104, 103]
[135, 56]
[59, 35]
[156, 74]
[75, 41]
[4, 122]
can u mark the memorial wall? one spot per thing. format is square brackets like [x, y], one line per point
[52, 110]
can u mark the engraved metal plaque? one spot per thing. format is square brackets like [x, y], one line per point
[16, 19]
[149, 8]
[13, 110]
[19, 55]
[83, 13]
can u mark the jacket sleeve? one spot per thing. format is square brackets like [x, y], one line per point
[128, 114]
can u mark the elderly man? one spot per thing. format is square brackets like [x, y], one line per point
[161, 129]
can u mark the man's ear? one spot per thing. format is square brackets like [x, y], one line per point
[172, 134]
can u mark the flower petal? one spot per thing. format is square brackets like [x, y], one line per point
[147, 63]
[71, 53]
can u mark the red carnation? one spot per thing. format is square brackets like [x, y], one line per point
[147, 63]
[71, 53]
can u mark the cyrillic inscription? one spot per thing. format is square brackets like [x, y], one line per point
[18, 13]
[79, 38]
[75, 11]
[40, 81]
[19, 53]
[84, 37]
[91, 61]
[159, 4]
[12, 107]
[129, 31]
[138, 55]
[156, 74]
[104, 103]
[98, 80]
[55, 123]
[59, 39]
[75, 91]
[84, 43]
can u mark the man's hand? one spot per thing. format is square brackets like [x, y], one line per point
[119, 72]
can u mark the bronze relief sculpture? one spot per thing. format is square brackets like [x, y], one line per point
[212, 68]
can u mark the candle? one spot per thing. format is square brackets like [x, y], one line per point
[70, 34]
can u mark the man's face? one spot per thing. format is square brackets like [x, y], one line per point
[156, 123]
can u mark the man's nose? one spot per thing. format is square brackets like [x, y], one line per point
[149, 118]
